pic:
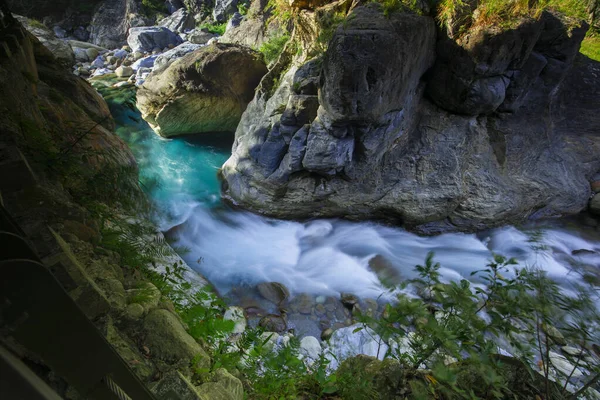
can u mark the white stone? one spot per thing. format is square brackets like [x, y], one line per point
[345, 343]
[573, 351]
[310, 347]
[236, 314]
[564, 366]
[271, 340]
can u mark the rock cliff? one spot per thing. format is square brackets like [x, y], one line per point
[397, 121]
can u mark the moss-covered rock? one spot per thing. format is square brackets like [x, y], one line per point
[168, 341]
[145, 294]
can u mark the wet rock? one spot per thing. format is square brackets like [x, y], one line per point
[236, 314]
[349, 300]
[304, 304]
[148, 38]
[582, 252]
[273, 323]
[275, 292]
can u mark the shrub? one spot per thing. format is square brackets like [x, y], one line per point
[272, 48]
[216, 28]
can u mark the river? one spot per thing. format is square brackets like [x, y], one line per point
[236, 249]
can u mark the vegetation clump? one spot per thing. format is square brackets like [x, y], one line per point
[215, 28]
[272, 48]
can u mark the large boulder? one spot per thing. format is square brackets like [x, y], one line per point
[502, 128]
[148, 38]
[180, 21]
[112, 20]
[205, 91]
[59, 48]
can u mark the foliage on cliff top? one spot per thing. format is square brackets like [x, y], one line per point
[506, 13]
[590, 47]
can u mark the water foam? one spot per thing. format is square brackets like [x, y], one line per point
[327, 257]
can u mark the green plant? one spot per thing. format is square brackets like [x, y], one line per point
[457, 321]
[281, 11]
[242, 8]
[272, 48]
[36, 24]
[153, 8]
[215, 28]
[507, 14]
[590, 47]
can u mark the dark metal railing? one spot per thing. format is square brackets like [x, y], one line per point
[39, 315]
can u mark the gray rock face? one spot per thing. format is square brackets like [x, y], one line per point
[224, 9]
[252, 29]
[595, 204]
[173, 5]
[168, 57]
[148, 38]
[59, 48]
[179, 21]
[395, 139]
[112, 20]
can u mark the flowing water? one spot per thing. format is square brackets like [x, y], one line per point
[324, 257]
